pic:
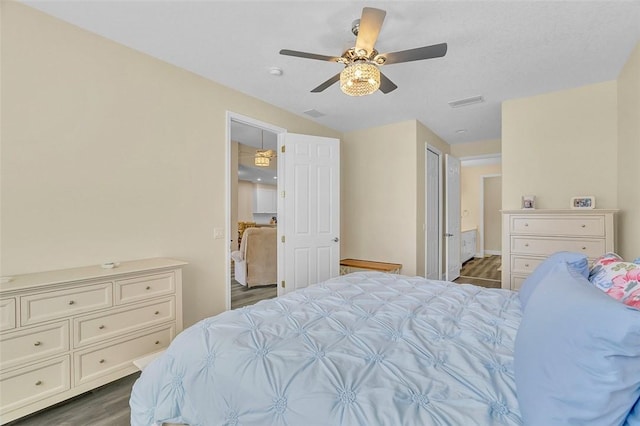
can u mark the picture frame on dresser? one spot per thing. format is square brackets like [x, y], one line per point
[583, 202]
[528, 202]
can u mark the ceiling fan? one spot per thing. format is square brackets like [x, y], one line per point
[361, 74]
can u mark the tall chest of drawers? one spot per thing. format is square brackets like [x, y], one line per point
[66, 332]
[530, 236]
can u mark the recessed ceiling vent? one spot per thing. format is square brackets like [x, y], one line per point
[466, 102]
[314, 113]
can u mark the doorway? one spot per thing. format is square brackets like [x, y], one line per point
[481, 199]
[307, 203]
[252, 203]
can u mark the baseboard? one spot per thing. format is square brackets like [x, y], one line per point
[493, 252]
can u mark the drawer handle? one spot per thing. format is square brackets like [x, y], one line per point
[583, 226]
[584, 248]
[148, 287]
[71, 302]
[157, 342]
[102, 361]
[37, 344]
[39, 382]
[526, 225]
[526, 244]
[157, 313]
[101, 327]
[526, 265]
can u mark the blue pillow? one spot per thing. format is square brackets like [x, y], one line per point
[634, 416]
[577, 261]
[577, 354]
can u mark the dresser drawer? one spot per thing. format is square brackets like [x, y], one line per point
[579, 226]
[95, 362]
[30, 384]
[516, 282]
[51, 305]
[141, 288]
[94, 328]
[7, 314]
[547, 246]
[525, 264]
[20, 347]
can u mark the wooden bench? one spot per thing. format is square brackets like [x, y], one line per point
[352, 265]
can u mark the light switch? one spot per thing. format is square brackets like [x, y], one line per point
[218, 233]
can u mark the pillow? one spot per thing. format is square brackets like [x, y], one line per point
[634, 415]
[577, 354]
[597, 273]
[619, 279]
[576, 260]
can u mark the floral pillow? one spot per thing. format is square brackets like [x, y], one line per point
[619, 279]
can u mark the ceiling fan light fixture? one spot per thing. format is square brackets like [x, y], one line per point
[360, 79]
[263, 156]
[262, 159]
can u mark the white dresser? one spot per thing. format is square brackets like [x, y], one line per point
[66, 332]
[529, 236]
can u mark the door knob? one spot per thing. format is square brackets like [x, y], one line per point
[448, 235]
[336, 239]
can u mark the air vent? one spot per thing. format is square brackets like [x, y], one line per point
[314, 113]
[466, 102]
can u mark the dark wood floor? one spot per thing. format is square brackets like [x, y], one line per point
[483, 271]
[242, 295]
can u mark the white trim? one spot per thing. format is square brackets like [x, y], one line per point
[428, 147]
[481, 160]
[481, 250]
[232, 116]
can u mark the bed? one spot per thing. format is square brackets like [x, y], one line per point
[366, 348]
[371, 348]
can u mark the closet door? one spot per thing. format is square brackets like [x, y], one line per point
[452, 213]
[433, 198]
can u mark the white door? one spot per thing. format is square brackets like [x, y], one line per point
[433, 235]
[452, 214]
[309, 232]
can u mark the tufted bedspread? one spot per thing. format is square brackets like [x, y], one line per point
[362, 349]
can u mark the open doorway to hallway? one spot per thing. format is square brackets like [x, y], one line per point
[253, 213]
[481, 199]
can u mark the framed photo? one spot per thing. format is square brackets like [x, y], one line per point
[583, 202]
[528, 201]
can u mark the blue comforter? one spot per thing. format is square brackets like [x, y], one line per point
[361, 349]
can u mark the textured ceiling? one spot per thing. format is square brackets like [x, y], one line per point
[498, 49]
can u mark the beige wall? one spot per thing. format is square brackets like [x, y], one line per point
[559, 145]
[378, 194]
[475, 149]
[383, 199]
[492, 216]
[109, 154]
[629, 157]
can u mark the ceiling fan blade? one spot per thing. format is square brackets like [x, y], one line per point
[417, 54]
[386, 85]
[308, 55]
[326, 84]
[370, 24]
